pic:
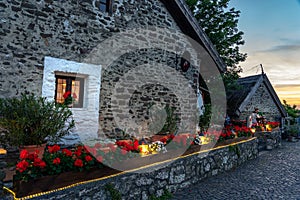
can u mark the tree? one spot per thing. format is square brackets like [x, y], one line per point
[220, 24]
[291, 110]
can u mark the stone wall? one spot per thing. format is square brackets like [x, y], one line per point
[31, 30]
[262, 99]
[269, 140]
[72, 30]
[178, 174]
[145, 79]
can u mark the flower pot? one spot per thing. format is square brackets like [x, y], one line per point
[39, 149]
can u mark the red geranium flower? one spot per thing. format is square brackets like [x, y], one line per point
[223, 135]
[99, 158]
[42, 164]
[163, 140]
[39, 163]
[67, 94]
[54, 148]
[171, 136]
[36, 162]
[56, 161]
[88, 158]
[136, 145]
[112, 147]
[24, 154]
[67, 152]
[78, 163]
[32, 156]
[78, 152]
[22, 166]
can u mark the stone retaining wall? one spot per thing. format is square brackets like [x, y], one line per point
[269, 140]
[179, 174]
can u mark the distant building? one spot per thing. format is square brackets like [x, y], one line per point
[255, 92]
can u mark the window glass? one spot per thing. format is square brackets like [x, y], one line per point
[69, 90]
[104, 5]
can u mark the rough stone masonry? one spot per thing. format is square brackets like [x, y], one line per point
[71, 30]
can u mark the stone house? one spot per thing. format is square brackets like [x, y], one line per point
[119, 58]
[255, 92]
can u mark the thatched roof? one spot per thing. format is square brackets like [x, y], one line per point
[238, 99]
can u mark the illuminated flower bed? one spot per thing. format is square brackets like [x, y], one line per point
[62, 167]
[81, 176]
[267, 126]
[57, 160]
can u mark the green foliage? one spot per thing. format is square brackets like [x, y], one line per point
[115, 194]
[213, 115]
[166, 195]
[293, 130]
[170, 125]
[220, 24]
[230, 81]
[204, 120]
[31, 120]
[291, 110]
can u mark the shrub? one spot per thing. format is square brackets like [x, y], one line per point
[31, 120]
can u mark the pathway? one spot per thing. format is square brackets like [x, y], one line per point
[273, 175]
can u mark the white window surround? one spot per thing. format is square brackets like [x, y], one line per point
[86, 118]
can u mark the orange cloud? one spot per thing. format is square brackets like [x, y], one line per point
[289, 92]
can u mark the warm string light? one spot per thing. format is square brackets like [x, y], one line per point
[3, 151]
[268, 127]
[144, 149]
[204, 140]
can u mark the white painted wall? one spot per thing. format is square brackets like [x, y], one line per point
[86, 118]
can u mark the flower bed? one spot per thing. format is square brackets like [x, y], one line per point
[63, 167]
[56, 160]
[53, 183]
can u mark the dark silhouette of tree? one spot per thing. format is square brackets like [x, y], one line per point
[220, 24]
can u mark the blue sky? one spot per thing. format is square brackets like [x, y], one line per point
[272, 35]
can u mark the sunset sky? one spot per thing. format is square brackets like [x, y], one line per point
[272, 35]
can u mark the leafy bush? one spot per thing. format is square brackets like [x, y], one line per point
[31, 120]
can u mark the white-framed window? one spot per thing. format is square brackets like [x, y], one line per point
[83, 79]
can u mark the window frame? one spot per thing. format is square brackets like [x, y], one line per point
[69, 79]
[108, 6]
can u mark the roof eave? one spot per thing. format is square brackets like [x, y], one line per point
[189, 26]
[274, 96]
